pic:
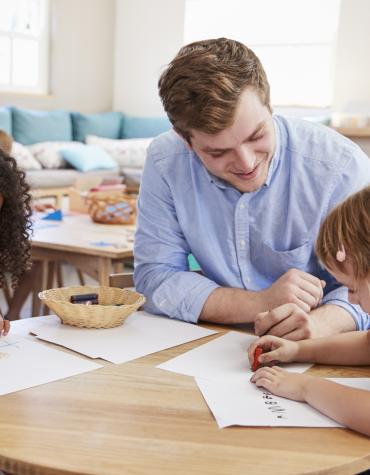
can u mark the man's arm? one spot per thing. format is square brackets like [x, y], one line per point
[230, 305]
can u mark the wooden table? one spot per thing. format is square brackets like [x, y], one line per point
[84, 244]
[136, 419]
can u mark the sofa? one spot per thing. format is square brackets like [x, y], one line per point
[57, 147]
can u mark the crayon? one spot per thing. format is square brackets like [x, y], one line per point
[257, 352]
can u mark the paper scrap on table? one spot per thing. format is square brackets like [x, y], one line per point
[222, 359]
[25, 363]
[247, 405]
[140, 335]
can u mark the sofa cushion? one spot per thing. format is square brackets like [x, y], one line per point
[48, 153]
[126, 152]
[105, 124]
[6, 120]
[88, 157]
[143, 127]
[32, 126]
[24, 158]
[61, 178]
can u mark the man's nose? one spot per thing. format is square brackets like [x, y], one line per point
[246, 158]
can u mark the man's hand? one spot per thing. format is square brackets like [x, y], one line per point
[275, 350]
[288, 321]
[297, 287]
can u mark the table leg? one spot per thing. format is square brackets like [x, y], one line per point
[104, 269]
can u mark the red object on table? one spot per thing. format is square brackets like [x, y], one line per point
[257, 352]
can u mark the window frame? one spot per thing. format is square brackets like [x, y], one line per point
[42, 88]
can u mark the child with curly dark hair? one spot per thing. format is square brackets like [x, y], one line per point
[15, 224]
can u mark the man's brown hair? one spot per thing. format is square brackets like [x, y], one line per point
[6, 142]
[347, 227]
[201, 87]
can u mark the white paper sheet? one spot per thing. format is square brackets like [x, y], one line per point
[140, 335]
[24, 364]
[247, 405]
[222, 359]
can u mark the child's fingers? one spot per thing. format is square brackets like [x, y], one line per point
[6, 327]
[273, 355]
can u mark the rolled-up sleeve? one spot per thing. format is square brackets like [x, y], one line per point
[161, 253]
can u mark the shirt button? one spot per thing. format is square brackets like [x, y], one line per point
[242, 243]
[247, 279]
[242, 206]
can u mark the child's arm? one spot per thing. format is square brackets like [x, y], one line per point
[348, 406]
[352, 348]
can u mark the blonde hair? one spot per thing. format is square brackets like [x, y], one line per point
[6, 142]
[347, 227]
[201, 87]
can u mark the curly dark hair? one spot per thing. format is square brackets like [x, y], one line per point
[15, 222]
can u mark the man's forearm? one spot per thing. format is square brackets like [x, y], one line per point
[229, 305]
[331, 319]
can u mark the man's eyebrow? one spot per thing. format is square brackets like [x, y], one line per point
[251, 136]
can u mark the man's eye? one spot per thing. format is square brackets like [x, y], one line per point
[257, 137]
[217, 154]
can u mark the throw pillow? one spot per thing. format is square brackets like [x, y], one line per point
[105, 124]
[139, 127]
[24, 158]
[88, 157]
[48, 153]
[6, 120]
[32, 126]
[126, 152]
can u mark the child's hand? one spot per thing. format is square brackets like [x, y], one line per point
[4, 326]
[275, 349]
[282, 383]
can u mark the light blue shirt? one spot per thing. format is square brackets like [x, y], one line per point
[242, 240]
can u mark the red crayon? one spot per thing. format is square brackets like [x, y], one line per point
[257, 352]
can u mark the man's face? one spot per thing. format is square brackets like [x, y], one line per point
[240, 154]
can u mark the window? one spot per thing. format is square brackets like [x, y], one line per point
[24, 46]
[294, 39]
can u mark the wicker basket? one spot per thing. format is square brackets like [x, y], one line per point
[111, 207]
[104, 315]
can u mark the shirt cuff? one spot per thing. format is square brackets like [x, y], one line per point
[188, 304]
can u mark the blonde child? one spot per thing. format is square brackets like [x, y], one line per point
[343, 246]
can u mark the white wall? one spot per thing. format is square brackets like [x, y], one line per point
[352, 70]
[81, 58]
[148, 35]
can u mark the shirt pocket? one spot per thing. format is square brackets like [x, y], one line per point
[272, 263]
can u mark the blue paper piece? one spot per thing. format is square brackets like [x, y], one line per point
[54, 216]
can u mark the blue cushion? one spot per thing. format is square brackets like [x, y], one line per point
[88, 157]
[6, 120]
[141, 127]
[106, 124]
[32, 126]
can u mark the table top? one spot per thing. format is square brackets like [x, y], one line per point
[78, 233]
[136, 419]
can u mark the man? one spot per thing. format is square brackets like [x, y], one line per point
[245, 193]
